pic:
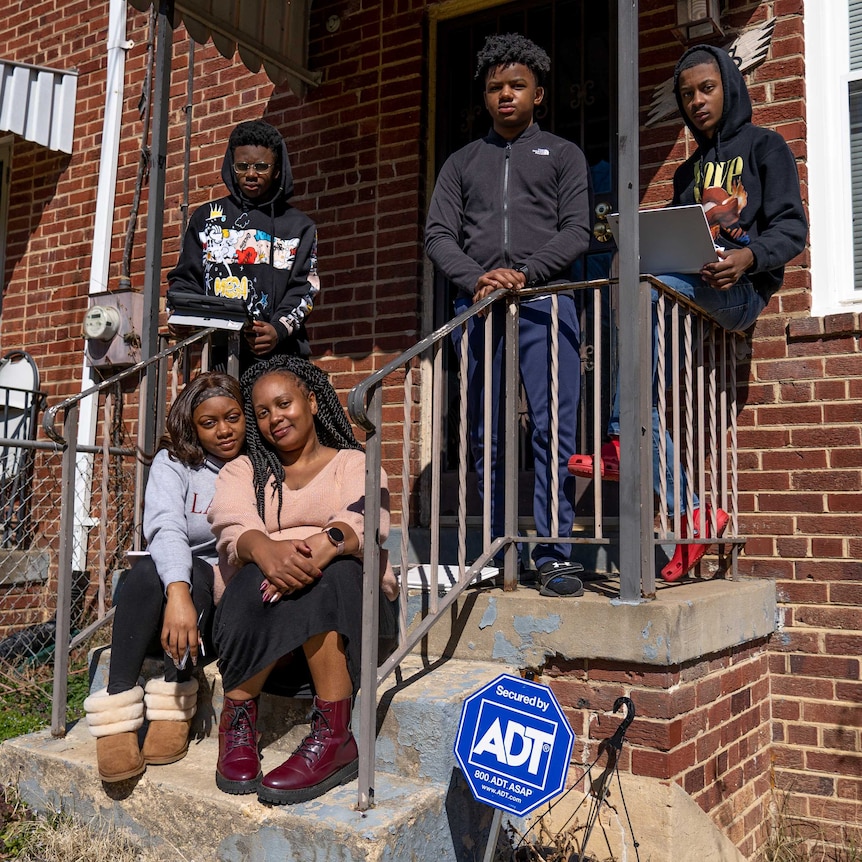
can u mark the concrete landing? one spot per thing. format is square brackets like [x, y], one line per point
[423, 810]
[685, 621]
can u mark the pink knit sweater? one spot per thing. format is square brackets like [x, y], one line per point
[336, 493]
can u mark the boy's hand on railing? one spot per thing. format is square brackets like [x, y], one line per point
[509, 279]
[730, 267]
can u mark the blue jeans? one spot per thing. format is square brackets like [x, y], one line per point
[736, 310]
[534, 343]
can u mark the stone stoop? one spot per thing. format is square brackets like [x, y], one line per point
[422, 807]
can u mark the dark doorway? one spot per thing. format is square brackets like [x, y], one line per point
[580, 105]
[579, 36]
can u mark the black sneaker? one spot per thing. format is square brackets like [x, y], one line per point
[560, 578]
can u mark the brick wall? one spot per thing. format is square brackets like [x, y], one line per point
[801, 461]
[704, 724]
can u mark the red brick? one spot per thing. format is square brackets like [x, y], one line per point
[801, 687]
[802, 734]
[824, 666]
[804, 782]
[834, 763]
[666, 765]
[843, 738]
[848, 788]
[832, 713]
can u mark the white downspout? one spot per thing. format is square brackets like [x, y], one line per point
[117, 47]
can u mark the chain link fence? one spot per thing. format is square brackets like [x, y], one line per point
[83, 502]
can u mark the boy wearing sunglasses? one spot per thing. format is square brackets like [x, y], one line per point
[255, 246]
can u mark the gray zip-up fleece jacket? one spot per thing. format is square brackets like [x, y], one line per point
[176, 504]
[500, 203]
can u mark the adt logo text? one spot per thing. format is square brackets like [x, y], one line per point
[511, 741]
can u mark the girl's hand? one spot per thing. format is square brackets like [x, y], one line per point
[269, 593]
[180, 626]
[287, 564]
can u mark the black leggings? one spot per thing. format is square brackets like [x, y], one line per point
[138, 623]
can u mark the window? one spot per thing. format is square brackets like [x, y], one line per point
[833, 63]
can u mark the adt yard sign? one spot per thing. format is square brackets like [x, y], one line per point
[514, 744]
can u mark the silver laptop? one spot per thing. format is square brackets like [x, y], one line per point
[673, 239]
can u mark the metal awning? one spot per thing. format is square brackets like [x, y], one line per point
[38, 103]
[268, 33]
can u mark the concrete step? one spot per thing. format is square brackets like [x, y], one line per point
[417, 715]
[422, 811]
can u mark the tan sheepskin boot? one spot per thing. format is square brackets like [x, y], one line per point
[171, 706]
[114, 720]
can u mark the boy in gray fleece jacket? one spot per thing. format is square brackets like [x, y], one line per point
[508, 211]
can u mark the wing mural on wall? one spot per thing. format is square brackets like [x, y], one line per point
[748, 51]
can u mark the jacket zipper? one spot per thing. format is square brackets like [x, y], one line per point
[506, 205]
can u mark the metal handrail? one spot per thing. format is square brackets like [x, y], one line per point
[365, 408]
[358, 399]
[50, 417]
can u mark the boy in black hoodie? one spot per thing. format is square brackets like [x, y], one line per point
[745, 179]
[253, 245]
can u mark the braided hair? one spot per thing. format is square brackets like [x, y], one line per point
[331, 422]
[512, 48]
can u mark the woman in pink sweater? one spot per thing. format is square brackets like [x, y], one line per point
[289, 522]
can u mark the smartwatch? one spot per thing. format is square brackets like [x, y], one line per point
[523, 269]
[336, 536]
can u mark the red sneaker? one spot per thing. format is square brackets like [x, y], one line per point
[686, 557]
[609, 462]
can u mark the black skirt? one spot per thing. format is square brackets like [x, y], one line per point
[251, 634]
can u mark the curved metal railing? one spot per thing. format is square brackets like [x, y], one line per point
[701, 400]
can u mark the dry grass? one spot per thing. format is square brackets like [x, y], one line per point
[543, 845]
[796, 839]
[57, 837]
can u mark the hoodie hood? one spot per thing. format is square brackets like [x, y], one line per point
[737, 103]
[281, 189]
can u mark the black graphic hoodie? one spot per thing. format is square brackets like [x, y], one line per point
[263, 251]
[745, 178]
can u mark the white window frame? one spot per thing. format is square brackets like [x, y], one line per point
[827, 75]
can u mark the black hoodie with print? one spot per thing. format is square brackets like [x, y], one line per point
[263, 251]
[746, 180]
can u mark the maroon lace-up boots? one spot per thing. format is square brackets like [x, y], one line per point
[238, 769]
[326, 758]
